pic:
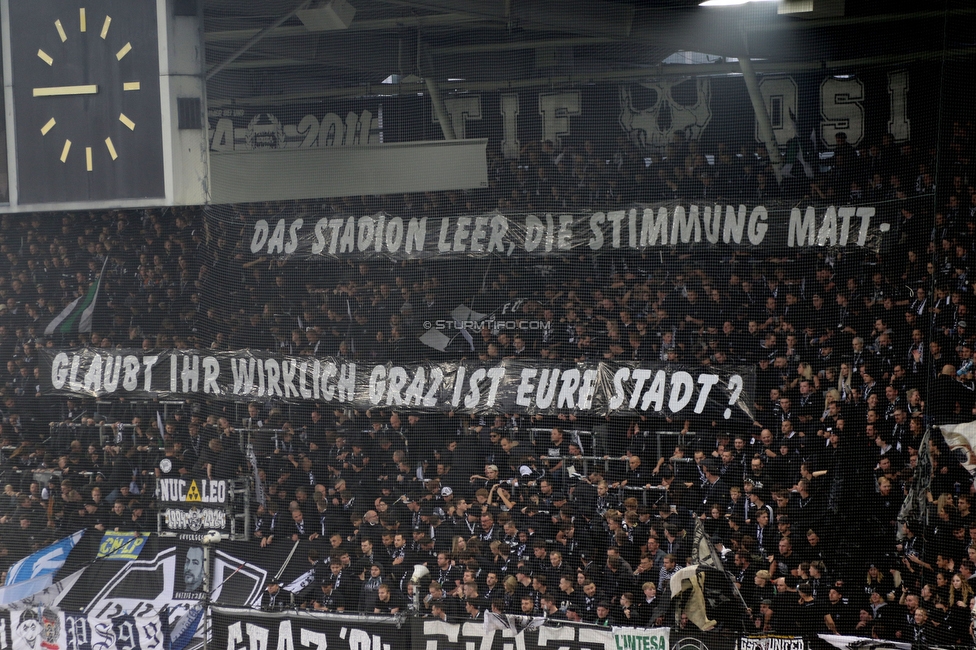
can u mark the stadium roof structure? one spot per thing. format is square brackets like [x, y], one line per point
[265, 51]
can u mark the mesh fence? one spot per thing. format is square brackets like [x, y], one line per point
[646, 322]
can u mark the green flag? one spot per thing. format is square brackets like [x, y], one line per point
[77, 317]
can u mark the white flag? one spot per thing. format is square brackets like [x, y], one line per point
[962, 436]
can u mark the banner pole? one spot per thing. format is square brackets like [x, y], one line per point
[206, 596]
[207, 586]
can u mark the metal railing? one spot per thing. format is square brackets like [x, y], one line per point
[575, 436]
[647, 495]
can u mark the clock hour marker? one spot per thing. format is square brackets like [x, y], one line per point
[45, 57]
[64, 152]
[105, 26]
[83, 19]
[125, 50]
[47, 127]
[64, 37]
[131, 85]
[129, 123]
[88, 158]
[60, 91]
[111, 148]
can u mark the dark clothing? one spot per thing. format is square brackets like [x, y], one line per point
[275, 602]
[843, 615]
[809, 618]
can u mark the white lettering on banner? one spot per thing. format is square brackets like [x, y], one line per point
[398, 388]
[292, 635]
[525, 387]
[652, 125]
[258, 636]
[544, 233]
[899, 126]
[276, 241]
[265, 131]
[313, 640]
[222, 136]
[361, 640]
[575, 389]
[594, 638]
[260, 378]
[103, 373]
[250, 377]
[439, 635]
[178, 490]
[803, 229]
[841, 110]
[461, 109]
[556, 109]
[309, 129]
[782, 106]
[551, 633]
[472, 399]
[509, 108]
[629, 387]
[772, 643]
[195, 519]
[329, 234]
[650, 113]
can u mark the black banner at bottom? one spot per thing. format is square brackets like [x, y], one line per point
[431, 634]
[249, 629]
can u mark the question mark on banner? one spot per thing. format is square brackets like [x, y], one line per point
[735, 385]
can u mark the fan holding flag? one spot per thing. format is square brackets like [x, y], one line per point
[78, 316]
[705, 590]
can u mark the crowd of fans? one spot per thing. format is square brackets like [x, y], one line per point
[585, 176]
[855, 355]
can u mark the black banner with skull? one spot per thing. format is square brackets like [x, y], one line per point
[806, 108]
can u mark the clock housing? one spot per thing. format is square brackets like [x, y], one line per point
[86, 93]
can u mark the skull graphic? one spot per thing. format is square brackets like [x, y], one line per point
[650, 125]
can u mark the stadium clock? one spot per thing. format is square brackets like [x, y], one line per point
[86, 100]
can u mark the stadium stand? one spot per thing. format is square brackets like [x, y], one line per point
[853, 356]
[856, 354]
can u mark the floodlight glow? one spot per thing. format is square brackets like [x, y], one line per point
[729, 3]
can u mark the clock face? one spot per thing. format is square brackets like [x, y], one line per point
[86, 100]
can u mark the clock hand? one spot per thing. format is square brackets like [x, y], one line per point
[60, 91]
